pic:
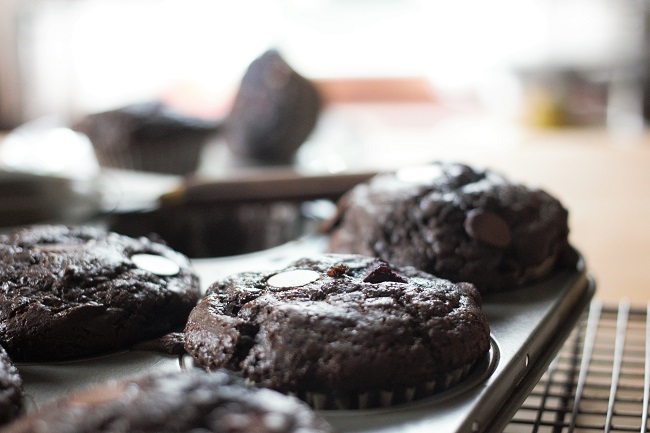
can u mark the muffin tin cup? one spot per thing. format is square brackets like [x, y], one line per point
[385, 398]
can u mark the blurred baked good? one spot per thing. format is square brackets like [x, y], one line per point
[457, 222]
[175, 402]
[274, 111]
[149, 136]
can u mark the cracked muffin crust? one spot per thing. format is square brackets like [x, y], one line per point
[67, 292]
[173, 402]
[455, 222]
[341, 331]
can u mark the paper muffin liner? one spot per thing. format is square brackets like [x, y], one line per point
[384, 398]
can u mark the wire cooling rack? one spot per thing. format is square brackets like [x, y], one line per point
[600, 379]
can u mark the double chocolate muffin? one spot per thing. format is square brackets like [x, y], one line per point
[274, 111]
[148, 136]
[175, 403]
[341, 331]
[68, 292]
[456, 222]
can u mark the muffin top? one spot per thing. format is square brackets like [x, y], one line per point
[338, 324]
[456, 222]
[74, 291]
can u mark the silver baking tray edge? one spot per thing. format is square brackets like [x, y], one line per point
[528, 327]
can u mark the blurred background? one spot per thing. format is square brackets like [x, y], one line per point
[557, 62]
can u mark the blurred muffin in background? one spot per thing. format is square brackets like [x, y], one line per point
[274, 112]
[148, 136]
[455, 221]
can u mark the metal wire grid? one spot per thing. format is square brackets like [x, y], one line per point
[600, 379]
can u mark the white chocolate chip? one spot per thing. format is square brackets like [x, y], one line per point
[157, 265]
[295, 278]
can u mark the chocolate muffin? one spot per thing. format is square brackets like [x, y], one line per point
[341, 331]
[173, 402]
[68, 292]
[274, 111]
[148, 136]
[11, 389]
[456, 222]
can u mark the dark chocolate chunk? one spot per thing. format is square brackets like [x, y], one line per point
[488, 227]
[380, 272]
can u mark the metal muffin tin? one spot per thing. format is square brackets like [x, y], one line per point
[528, 327]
